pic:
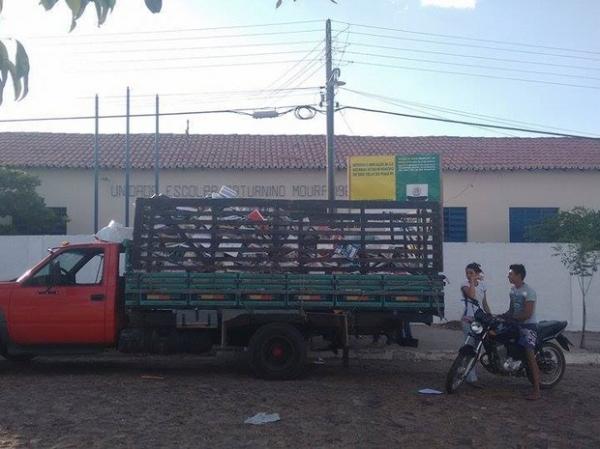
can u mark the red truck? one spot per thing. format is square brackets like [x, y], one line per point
[194, 277]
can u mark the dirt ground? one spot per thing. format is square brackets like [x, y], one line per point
[115, 401]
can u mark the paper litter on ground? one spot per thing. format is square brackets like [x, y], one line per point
[429, 391]
[263, 418]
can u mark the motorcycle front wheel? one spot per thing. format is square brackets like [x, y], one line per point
[552, 364]
[462, 366]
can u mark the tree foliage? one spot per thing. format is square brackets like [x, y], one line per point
[22, 210]
[577, 234]
[17, 66]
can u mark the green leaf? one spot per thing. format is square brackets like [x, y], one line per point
[154, 5]
[48, 4]
[22, 68]
[103, 7]
[84, 3]
[12, 69]
[3, 63]
[75, 6]
[3, 69]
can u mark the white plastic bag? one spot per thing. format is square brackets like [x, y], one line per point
[115, 232]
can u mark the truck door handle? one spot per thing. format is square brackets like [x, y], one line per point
[47, 292]
[98, 297]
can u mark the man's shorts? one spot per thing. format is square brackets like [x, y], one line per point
[527, 335]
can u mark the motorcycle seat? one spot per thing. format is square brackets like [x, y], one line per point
[550, 328]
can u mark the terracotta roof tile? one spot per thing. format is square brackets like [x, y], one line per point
[235, 151]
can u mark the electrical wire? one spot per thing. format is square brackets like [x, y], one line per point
[177, 30]
[293, 79]
[281, 95]
[478, 75]
[187, 58]
[418, 109]
[358, 33]
[279, 79]
[189, 67]
[462, 122]
[489, 118]
[455, 36]
[486, 58]
[477, 66]
[170, 39]
[181, 94]
[240, 111]
[211, 47]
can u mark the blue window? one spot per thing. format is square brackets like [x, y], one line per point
[455, 224]
[522, 218]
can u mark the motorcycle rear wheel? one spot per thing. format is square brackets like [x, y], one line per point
[552, 364]
[461, 367]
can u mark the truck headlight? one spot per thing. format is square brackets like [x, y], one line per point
[476, 327]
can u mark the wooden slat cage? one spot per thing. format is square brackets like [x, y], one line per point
[286, 236]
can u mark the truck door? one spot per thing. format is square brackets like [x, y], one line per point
[62, 302]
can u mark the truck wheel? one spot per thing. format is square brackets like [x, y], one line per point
[277, 352]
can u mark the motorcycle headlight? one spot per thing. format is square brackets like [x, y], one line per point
[476, 327]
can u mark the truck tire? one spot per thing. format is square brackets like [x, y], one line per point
[277, 352]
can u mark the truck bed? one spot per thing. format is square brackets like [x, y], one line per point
[409, 293]
[283, 254]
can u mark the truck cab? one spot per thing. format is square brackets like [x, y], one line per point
[66, 303]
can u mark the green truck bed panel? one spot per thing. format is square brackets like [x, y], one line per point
[410, 293]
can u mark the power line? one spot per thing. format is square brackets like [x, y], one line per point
[187, 58]
[461, 122]
[176, 30]
[487, 58]
[305, 78]
[455, 36]
[310, 65]
[212, 92]
[477, 75]
[477, 66]
[474, 46]
[143, 102]
[491, 118]
[223, 36]
[189, 67]
[210, 47]
[240, 111]
[317, 48]
[405, 105]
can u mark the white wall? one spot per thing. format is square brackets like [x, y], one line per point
[558, 295]
[19, 253]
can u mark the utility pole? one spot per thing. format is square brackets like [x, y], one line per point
[330, 93]
[96, 164]
[127, 161]
[157, 150]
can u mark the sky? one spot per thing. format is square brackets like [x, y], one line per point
[533, 64]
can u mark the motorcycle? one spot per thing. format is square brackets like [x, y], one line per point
[492, 341]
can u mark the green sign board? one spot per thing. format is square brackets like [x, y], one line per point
[418, 177]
